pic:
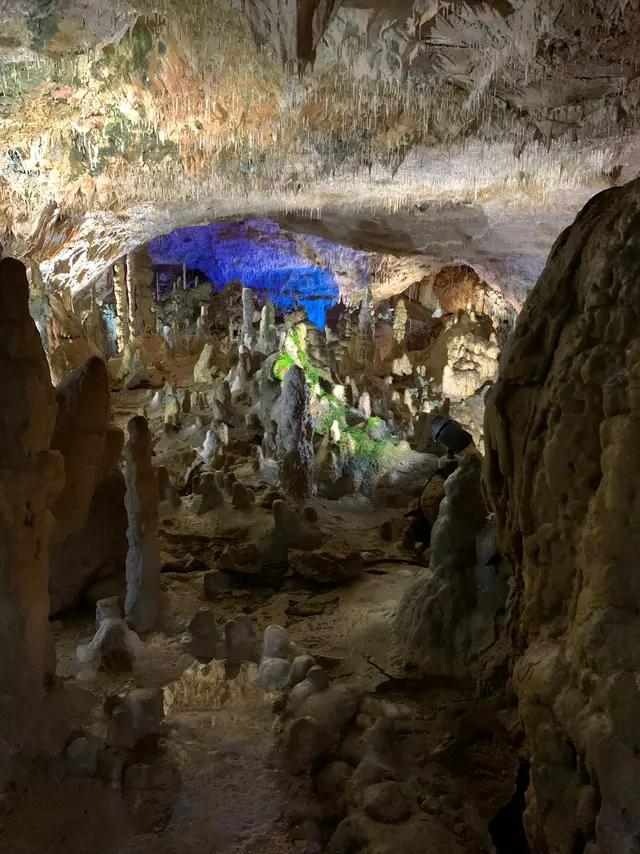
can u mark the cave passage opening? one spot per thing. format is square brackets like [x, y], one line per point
[288, 269]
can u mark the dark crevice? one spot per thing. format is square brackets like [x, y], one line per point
[507, 828]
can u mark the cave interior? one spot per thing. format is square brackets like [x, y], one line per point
[320, 426]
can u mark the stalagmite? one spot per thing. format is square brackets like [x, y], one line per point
[268, 334]
[248, 334]
[131, 297]
[400, 326]
[139, 263]
[295, 431]
[122, 312]
[31, 476]
[142, 604]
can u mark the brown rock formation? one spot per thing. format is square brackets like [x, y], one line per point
[90, 537]
[68, 344]
[143, 558]
[81, 425]
[561, 472]
[30, 478]
[295, 430]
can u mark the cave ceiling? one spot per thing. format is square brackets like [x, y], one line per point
[426, 128]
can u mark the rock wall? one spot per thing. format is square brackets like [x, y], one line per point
[562, 432]
[30, 478]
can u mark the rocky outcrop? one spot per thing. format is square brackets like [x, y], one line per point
[99, 549]
[31, 476]
[142, 604]
[81, 425]
[562, 432]
[66, 338]
[450, 616]
[295, 431]
[89, 541]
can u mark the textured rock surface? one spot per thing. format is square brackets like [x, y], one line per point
[295, 430]
[143, 558]
[31, 476]
[81, 425]
[450, 614]
[562, 475]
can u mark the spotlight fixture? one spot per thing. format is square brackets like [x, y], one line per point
[454, 437]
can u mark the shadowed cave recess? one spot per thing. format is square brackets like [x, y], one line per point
[319, 434]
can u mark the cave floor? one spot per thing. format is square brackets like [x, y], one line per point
[235, 796]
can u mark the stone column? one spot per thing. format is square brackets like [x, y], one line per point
[132, 296]
[248, 337]
[562, 439]
[363, 341]
[122, 316]
[142, 602]
[31, 477]
[295, 431]
[143, 274]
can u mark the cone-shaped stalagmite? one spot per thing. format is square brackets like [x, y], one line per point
[295, 430]
[31, 476]
[143, 558]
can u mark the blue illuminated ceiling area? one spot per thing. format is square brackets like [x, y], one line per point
[280, 266]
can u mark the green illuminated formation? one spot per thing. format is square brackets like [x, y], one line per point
[367, 449]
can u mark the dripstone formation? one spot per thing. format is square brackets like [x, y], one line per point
[295, 429]
[31, 477]
[561, 473]
[142, 604]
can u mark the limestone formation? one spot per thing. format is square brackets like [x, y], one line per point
[68, 346]
[450, 615]
[248, 334]
[122, 311]
[140, 283]
[90, 536]
[210, 492]
[268, 335]
[241, 496]
[142, 605]
[204, 635]
[293, 440]
[31, 476]
[205, 368]
[209, 447]
[171, 408]
[471, 360]
[168, 495]
[81, 426]
[400, 327]
[562, 432]
[239, 639]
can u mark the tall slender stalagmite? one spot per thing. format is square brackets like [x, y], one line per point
[31, 476]
[122, 315]
[139, 263]
[142, 603]
[132, 296]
